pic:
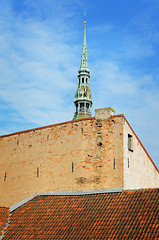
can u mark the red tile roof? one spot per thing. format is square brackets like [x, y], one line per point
[4, 215]
[118, 215]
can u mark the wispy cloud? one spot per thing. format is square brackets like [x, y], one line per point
[40, 47]
[132, 93]
[37, 68]
[102, 28]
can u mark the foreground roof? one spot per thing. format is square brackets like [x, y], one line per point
[117, 215]
[4, 215]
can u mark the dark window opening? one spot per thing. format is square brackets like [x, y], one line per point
[87, 107]
[128, 163]
[82, 107]
[79, 80]
[48, 137]
[130, 142]
[86, 80]
[5, 176]
[37, 171]
[85, 94]
[76, 107]
[114, 164]
[17, 142]
[72, 167]
[82, 80]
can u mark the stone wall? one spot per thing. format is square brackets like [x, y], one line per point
[73, 156]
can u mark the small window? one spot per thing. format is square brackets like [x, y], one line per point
[81, 107]
[86, 80]
[130, 142]
[82, 80]
[79, 81]
[87, 107]
[76, 107]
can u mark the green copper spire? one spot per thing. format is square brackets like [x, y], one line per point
[84, 59]
[83, 95]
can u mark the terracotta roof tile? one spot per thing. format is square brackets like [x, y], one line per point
[123, 215]
[4, 215]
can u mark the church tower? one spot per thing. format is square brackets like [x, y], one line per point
[83, 95]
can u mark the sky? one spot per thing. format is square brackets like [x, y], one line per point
[40, 51]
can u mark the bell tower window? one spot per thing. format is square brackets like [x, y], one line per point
[83, 80]
[76, 107]
[87, 107]
[81, 107]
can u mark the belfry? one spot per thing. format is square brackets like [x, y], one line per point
[83, 95]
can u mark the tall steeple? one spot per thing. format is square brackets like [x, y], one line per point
[83, 95]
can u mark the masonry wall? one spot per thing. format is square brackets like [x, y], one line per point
[139, 170]
[73, 156]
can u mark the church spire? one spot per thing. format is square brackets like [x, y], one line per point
[84, 60]
[83, 96]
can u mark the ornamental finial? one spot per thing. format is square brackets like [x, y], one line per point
[85, 17]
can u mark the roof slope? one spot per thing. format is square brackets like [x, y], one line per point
[120, 215]
[4, 215]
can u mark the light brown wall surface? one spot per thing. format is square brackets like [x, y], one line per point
[140, 172]
[92, 146]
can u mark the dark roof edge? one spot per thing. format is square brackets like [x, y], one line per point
[72, 193]
[48, 126]
[53, 125]
[122, 115]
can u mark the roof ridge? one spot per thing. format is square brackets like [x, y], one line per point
[47, 126]
[80, 193]
[69, 193]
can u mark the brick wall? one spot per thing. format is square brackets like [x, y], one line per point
[73, 156]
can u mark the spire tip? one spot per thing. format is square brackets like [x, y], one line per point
[85, 17]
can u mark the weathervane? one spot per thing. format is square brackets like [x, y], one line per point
[85, 17]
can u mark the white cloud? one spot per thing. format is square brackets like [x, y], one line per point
[134, 94]
[37, 68]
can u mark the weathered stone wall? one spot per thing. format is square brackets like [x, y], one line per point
[73, 156]
[139, 170]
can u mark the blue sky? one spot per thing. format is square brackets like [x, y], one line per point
[40, 50]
